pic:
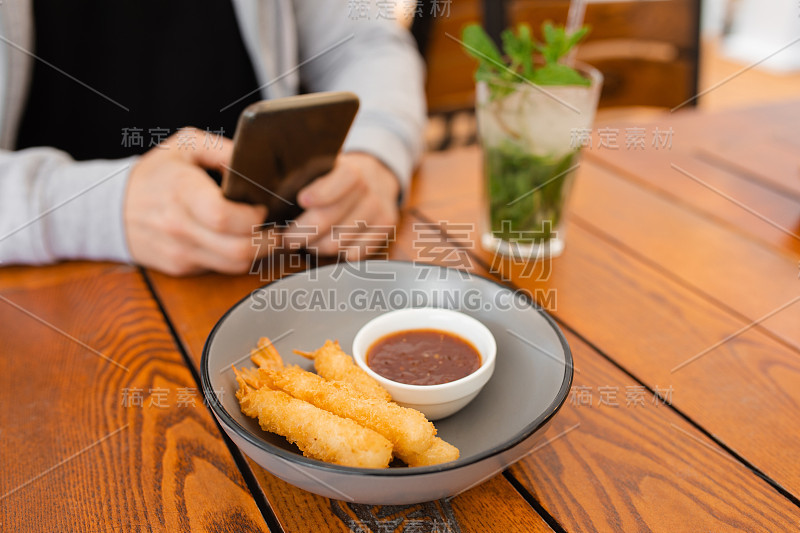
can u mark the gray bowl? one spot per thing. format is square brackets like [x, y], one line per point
[531, 381]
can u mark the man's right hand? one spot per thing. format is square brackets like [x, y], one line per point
[176, 219]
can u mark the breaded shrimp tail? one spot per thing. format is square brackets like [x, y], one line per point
[266, 356]
[332, 363]
[248, 378]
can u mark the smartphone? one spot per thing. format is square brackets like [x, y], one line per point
[281, 145]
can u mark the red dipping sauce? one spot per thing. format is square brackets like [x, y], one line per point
[423, 357]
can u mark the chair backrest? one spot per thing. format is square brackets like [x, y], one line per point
[647, 50]
[449, 85]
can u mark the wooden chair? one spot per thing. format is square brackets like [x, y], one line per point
[647, 50]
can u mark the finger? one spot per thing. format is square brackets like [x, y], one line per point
[166, 251]
[230, 253]
[204, 202]
[210, 260]
[201, 148]
[316, 223]
[222, 253]
[190, 248]
[331, 188]
[365, 226]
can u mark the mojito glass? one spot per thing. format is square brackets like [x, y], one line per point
[531, 137]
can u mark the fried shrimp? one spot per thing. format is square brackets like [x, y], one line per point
[333, 364]
[407, 429]
[439, 452]
[318, 433]
[340, 416]
[250, 376]
[266, 356]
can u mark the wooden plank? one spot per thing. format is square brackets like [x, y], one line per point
[642, 82]
[772, 160]
[493, 505]
[104, 427]
[759, 144]
[684, 173]
[21, 277]
[745, 276]
[449, 83]
[660, 20]
[629, 463]
[647, 321]
[771, 127]
[195, 304]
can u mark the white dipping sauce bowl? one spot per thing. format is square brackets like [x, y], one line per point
[434, 401]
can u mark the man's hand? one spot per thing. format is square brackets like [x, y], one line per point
[176, 218]
[359, 188]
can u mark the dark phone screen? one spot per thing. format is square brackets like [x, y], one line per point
[282, 145]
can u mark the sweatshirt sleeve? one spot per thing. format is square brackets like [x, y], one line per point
[377, 60]
[52, 207]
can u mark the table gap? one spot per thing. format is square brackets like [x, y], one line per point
[533, 502]
[743, 173]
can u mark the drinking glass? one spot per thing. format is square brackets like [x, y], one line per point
[531, 136]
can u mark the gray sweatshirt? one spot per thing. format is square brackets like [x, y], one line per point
[52, 207]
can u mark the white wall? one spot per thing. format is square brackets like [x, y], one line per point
[761, 31]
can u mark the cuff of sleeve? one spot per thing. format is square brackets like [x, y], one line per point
[387, 147]
[85, 201]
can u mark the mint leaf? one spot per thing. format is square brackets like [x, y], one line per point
[519, 48]
[480, 46]
[577, 37]
[520, 51]
[557, 43]
[558, 74]
[554, 42]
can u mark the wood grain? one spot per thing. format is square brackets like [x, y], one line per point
[647, 322]
[638, 466]
[716, 190]
[78, 453]
[19, 277]
[662, 20]
[492, 506]
[449, 83]
[714, 260]
[195, 304]
[759, 143]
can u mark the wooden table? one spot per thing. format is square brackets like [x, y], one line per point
[678, 293]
